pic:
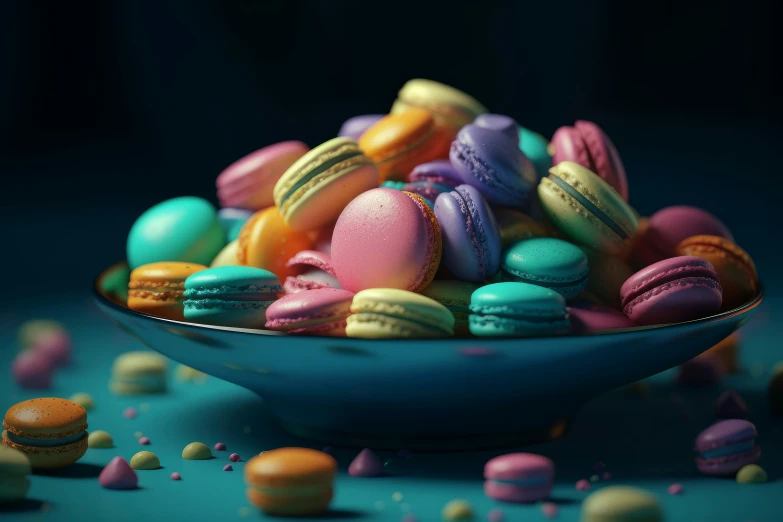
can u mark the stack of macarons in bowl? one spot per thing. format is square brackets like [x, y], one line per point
[438, 220]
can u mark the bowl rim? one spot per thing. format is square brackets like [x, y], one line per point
[105, 300]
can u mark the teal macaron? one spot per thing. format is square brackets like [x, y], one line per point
[535, 147]
[548, 262]
[517, 309]
[235, 296]
[183, 229]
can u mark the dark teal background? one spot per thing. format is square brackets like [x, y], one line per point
[110, 107]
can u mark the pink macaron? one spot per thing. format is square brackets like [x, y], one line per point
[586, 144]
[668, 227]
[386, 238]
[519, 477]
[248, 182]
[322, 311]
[313, 270]
[591, 317]
[671, 291]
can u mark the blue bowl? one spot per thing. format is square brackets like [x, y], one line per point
[445, 394]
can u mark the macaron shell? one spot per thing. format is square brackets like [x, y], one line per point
[436, 171]
[535, 147]
[604, 156]
[454, 295]
[139, 364]
[290, 467]
[736, 270]
[267, 242]
[579, 223]
[668, 227]
[589, 317]
[309, 308]
[46, 417]
[248, 182]
[547, 262]
[505, 125]
[512, 493]
[386, 239]
[156, 289]
[290, 505]
[51, 457]
[403, 304]
[367, 325]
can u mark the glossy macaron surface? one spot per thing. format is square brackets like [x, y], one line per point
[386, 239]
[183, 229]
[471, 239]
[548, 262]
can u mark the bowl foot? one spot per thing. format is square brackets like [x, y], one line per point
[457, 443]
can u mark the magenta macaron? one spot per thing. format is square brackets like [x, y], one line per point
[726, 446]
[322, 311]
[671, 291]
[519, 477]
[313, 270]
[586, 144]
[248, 182]
[385, 238]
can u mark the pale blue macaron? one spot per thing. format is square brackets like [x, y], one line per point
[517, 309]
[231, 296]
[183, 229]
[534, 146]
[549, 262]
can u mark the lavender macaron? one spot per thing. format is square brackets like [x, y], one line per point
[488, 161]
[500, 123]
[727, 446]
[471, 239]
[354, 127]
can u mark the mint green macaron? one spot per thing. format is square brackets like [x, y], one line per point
[517, 309]
[548, 262]
[183, 229]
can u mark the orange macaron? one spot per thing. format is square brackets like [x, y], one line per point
[52, 432]
[398, 142]
[265, 241]
[157, 288]
[736, 271]
[291, 481]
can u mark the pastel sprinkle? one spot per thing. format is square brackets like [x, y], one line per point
[495, 515]
[675, 489]
[234, 457]
[397, 496]
[129, 413]
[228, 467]
[457, 510]
[582, 485]
[176, 476]
[549, 509]
[144, 441]
[220, 446]
[366, 464]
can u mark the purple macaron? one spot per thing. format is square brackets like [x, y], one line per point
[726, 446]
[673, 290]
[488, 161]
[471, 239]
[502, 124]
[354, 127]
[313, 270]
[590, 317]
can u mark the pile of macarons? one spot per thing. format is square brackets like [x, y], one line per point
[434, 220]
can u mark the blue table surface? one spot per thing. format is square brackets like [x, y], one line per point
[644, 441]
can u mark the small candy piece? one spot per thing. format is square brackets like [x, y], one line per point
[234, 457]
[549, 509]
[145, 460]
[675, 489]
[457, 510]
[175, 476]
[220, 446]
[118, 475]
[621, 503]
[99, 439]
[144, 441]
[730, 406]
[196, 451]
[228, 467]
[751, 474]
[84, 400]
[495, 515]
[397, 496]
[582, 485]
[129, 413]
[32, 370]
[366, 464]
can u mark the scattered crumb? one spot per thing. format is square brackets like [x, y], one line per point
[176, 476]
[129, 413]
[219, 446]
[144, 441]
[397, 496]
[234, 457]
[675, 489]
[582, 485]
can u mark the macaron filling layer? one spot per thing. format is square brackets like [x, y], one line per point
[549, 282]
[320, 169]
[290, 491]
[592, 208]
[731, 449]
[486, 174]
[694, 274]
[400, 320]
[44, 443]
[542, 480]
[401, 152]
[241, 297]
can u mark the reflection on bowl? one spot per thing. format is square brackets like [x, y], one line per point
[436, 394]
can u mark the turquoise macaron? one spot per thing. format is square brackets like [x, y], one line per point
[235, 296]
[517, 309]
[535, 147]
[549, 262]
[183, 229]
